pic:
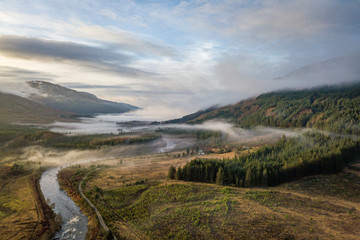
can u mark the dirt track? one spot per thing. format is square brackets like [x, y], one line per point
[101, 220]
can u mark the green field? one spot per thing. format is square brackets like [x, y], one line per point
[168, 209]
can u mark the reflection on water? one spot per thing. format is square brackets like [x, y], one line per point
[170, 145]
[74, 222]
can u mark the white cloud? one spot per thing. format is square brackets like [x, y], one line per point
[108, 13]
[201, 52]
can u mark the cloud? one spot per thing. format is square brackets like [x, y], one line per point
[262, 40]
[18, 73]
[13, 80]
[268, 19]
[181, 54]
[80, 85]
[330, 71]
[103, 59]
[138, 44]
[32, 48]
[75, 29]
[106, 12]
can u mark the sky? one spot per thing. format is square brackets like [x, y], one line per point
[175, 57]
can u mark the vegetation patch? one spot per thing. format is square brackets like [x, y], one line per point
[69, 179]
[58, 140]
[344, 186]
[24, 213]
[287, 160]
[169, 211]
[334, 109]
[274, 200]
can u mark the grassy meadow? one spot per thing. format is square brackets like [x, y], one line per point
[24, 213]
[138, 201]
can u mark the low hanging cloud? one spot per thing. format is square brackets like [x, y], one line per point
[346, 69]
[272, 38]
[13, 80]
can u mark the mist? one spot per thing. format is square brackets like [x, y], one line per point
[58, 157]
[14, 81]
[115, 124]
[232, 133]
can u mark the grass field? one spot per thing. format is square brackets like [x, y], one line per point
[139, 202]
[24, 213]
[69, 179]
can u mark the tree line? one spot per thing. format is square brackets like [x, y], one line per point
[58, 140]
[286, 160]
[334, 108]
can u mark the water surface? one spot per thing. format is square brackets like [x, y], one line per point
[74, 222]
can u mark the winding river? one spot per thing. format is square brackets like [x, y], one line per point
[74, 222]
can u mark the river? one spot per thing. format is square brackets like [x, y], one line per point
[74, 222]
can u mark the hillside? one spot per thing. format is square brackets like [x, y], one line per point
[317, 207]
[56, 96]
[15, 109]
[192, 116]
[334, 108]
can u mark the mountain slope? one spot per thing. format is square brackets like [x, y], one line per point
[335, 108]
[15, 109]
[192, 116]
[56, 96]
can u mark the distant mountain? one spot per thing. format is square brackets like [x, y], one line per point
[331, 108]
[62, 98]
[15, 109]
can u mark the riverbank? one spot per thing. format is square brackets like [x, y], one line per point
[48, 223]
[138, 201]
[69, 181]
[24, 213]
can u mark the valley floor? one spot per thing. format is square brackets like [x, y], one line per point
[24, 213]
[138, 201]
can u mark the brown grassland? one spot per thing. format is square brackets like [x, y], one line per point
[66, 181]
[24, 213]
[138, 201]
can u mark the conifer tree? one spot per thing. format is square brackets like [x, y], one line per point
[248, 178]
[178, 174]
[264, 177]
[171, 172]
[220, 176]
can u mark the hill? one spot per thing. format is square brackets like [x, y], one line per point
[62, 98]
[331, 108]
[192, 116]
[15, 109]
